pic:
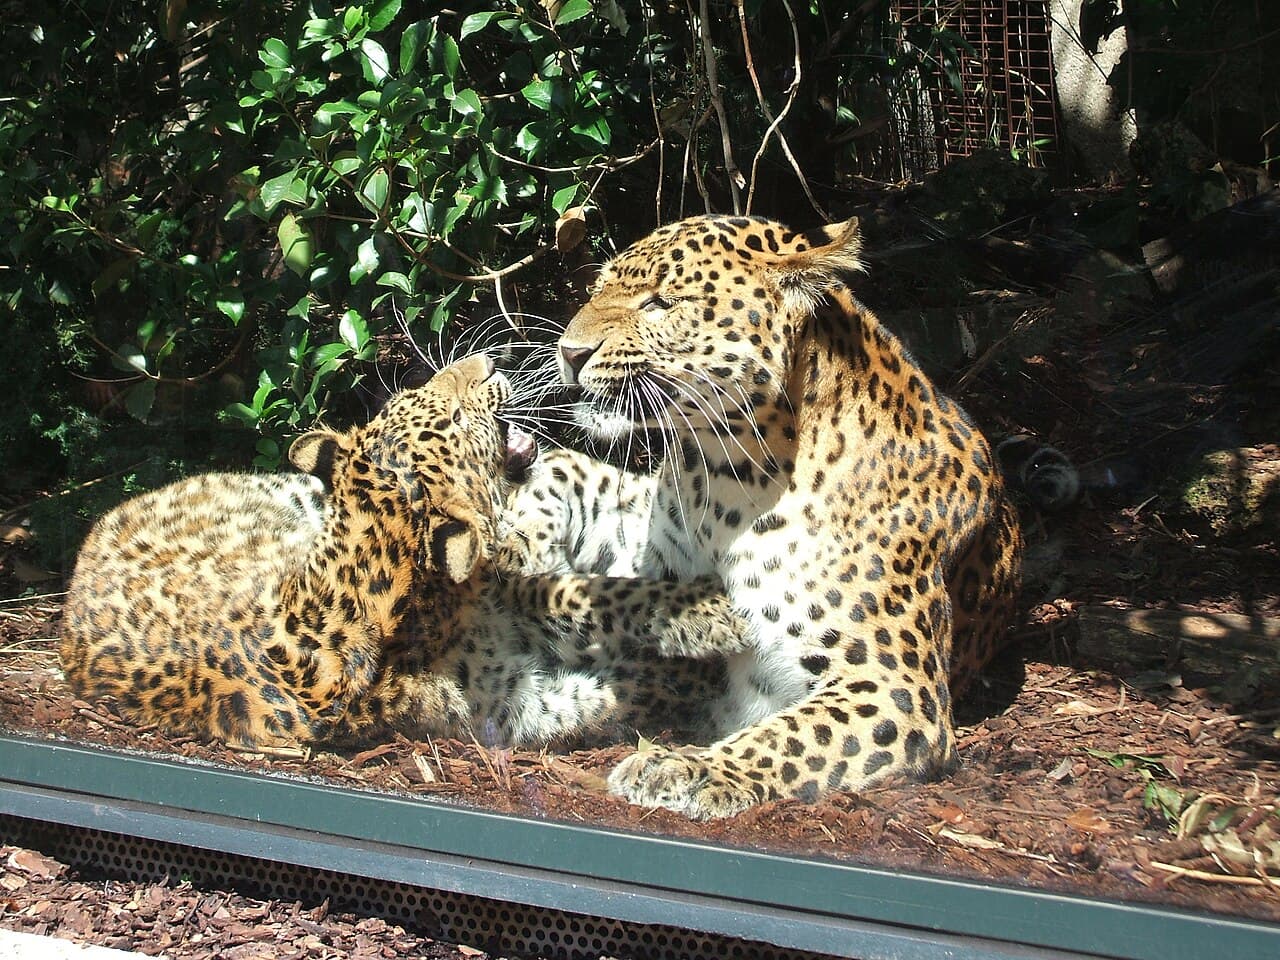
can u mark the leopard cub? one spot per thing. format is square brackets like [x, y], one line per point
[358, 596]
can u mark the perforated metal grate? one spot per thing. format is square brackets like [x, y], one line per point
[491, 924]
[1006, 97]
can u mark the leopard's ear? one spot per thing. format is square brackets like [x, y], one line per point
[456, 543]
[809, 263]
[320, 453]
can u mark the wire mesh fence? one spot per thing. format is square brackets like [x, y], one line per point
[999, 91]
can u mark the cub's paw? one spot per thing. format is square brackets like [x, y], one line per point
[699, 631]
[692, 784]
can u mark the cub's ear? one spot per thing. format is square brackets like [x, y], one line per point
[320, 453]
[455, 544]
[815, 259]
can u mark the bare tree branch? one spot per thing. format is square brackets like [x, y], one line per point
[774, 122]
[736, 181]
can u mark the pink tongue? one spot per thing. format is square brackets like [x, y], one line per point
[522, 449]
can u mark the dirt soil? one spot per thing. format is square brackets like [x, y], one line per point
[1113, 753]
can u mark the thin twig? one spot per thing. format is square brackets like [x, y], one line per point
[4, 517]
[23, 600]
[21, 647]
[484, 755]
[713, 81]
[607, 165]
[657, 115]
[1207, 877]
[775, 122]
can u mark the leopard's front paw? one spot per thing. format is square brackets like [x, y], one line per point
[692, 784]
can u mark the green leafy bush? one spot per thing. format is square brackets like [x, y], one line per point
[219, 218]
[255, 214]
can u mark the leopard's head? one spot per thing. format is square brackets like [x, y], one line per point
[693, 327]
[435, 458]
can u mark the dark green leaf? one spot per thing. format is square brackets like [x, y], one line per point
[573, 10]
[565, 197]
[614, 14]
[366, 260]
[412, 40]
[345, 166]
[597, 131]
[538, 93]
[244, 414]
[286, 188]
[111, 274]
[445, 56]
[467, 102]
[274, 53]
[374, 192]
[296, 245]
[374, 61]
[382, 12]
[313, 31]
[140, 398]
[129, 358]
[529, 139]
[145, 228]
[328, 353]
[476, 22]
[230, 303]
[397, 280]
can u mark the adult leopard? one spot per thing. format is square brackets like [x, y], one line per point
[359, 596]
[854, 514]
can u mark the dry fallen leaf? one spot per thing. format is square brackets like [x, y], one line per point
[948, 812]
[971, 840]
[575, 775]
[29, 573]
[1061, 772]
[1254, 853]
[11, 534]
[28, 861]
[1077, 708]
[571, 229]
[1088, 821]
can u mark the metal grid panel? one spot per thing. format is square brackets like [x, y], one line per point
[492, 924]
[1007, 96]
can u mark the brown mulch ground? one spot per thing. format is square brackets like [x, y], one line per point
[1051, 793]
[41, 896]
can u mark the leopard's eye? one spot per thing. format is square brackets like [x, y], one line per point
[655, 302]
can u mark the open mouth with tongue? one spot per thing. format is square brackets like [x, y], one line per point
[520, 450]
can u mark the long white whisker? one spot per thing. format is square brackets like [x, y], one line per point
[673, 459]
[703, 406]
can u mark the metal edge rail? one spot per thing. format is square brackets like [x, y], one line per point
[822, 906]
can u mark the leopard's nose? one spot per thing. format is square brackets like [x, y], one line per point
[573, 359]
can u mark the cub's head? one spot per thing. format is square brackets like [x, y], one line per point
[434, 459]
[693, 326]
